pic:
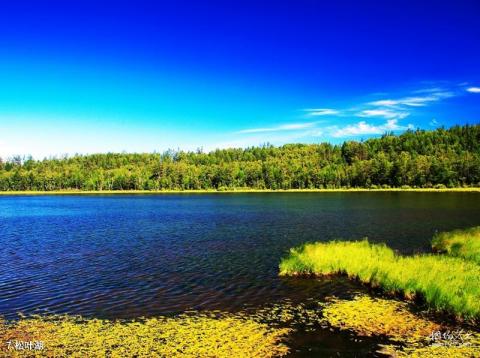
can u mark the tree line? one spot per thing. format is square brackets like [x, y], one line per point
[439, 158]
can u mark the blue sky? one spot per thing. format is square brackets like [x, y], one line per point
[138, 76]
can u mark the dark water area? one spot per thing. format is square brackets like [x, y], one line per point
[125, 256]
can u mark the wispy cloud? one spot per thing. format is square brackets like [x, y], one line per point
[378, 116]
[430, 90]
[283, 127]
[321, 111]
[473, 89]
[394, 109]
[260, 136]
[364, 128]
[417, 101]
[384, 113]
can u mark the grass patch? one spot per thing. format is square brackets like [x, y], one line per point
[447, 284]
[200, 335]
[459, 243]
[411, 334]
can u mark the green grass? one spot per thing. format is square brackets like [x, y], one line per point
[447, 284]
[459, 243]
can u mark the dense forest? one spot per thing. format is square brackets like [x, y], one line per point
[444, 157]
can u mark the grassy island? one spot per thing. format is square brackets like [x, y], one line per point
[446, 284]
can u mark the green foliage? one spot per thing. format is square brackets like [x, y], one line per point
[445, 283]
[460, 243]
[443, 158]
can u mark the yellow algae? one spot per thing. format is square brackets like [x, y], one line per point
[288, 314]
[468, 349]
[414, 336]
[374, 316]
[201, 335]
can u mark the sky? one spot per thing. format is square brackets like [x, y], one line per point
[143, 76]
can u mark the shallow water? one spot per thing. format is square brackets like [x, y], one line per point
[124, 256]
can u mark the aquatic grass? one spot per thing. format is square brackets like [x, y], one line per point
[369, 316]
[411, 334]
[460, 243]
[446, 284]
[307, 317]
[199, 335]
[468, 349]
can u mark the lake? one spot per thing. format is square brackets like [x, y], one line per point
[125, 256]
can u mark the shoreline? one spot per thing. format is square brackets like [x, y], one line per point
[231, 191]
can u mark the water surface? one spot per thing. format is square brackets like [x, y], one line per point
[124, 256]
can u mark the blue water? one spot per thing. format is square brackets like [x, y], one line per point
[124, 256]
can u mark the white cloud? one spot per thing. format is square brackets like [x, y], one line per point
[363, 128]
[430, 90]
[321, 111]
[284, 127]
[308, 134]
[473, 89]
[384, 102]
[390, 110]
[418, 101]
[384, 113]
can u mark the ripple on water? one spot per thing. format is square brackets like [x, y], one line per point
[129, 256]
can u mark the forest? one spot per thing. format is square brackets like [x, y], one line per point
[422, 159]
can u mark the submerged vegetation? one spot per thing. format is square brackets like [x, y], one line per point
[446, 284]
[422, 159]
[369, 316]
[199, 335]
[412, 335]
[262, 332]
[460, 243]
[259, 332]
